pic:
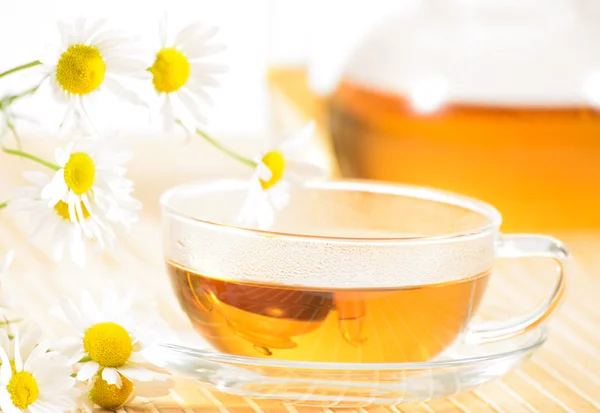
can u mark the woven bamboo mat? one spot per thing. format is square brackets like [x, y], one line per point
[564, 376]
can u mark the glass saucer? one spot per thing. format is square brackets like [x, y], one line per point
[461, 367]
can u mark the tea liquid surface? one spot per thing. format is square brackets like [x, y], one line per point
[329, 325]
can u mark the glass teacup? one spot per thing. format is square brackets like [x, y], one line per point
[351, 271]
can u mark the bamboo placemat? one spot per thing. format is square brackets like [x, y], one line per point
[564, 376]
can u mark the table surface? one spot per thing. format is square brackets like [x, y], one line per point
[563, 376]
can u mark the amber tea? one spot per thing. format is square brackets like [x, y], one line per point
[300, 323]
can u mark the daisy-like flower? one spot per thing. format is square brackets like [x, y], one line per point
[97, 392]
[276, 172]
[180, 77]
[67, 233]
[41, 383]
[91, 180]
[112, 340]
[89, 58]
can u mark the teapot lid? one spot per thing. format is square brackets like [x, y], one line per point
[509, 52]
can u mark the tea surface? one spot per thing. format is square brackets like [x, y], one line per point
[335, 325]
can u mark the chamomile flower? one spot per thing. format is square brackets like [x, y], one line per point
[111, 340]
[179, 75]
[90, 181]
[275, 173]
[97, 392]
[90, 58]
[41, 383]
[64, 227]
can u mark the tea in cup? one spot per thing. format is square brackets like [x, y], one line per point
[350, 272]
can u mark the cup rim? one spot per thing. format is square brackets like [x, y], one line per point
[421, 192]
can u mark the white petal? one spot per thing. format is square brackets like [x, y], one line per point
[109, 41]
[265, 216]
[93, 29]
[58, 244]
[71, 206]
[141, 374]
[18, 359]
[203, 80]
[263, 172]
[37, 177]
[279, 195]
[55, 190]
[90, 308]
[5, 369]
[122, 92]
[111, 376]
[297, 139]
[198, 90]
[61, 96]
[30, 337]
[71, 110]
[196, 49]
[37, 353]
[78, 30]
[162, 30]
[65, 30]
[199, 68]
[137, 357]
[6, 261]
[88, 371]
[202, 38]
[41, 406]
[57, 384]
[74, 357]
[6, 402]
[256, 209]
[191, 105]
[72, 314]
[187, 32]
[168, 115]
[86, 116]
[4, 340]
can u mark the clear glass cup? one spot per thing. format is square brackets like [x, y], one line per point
[353, 272]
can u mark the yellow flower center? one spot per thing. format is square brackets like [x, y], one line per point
[170, 70]
[62, 209]
[108, 344]
[80, 172]
[275, 161]
[109, 396]
[80, 70]
[23, 389]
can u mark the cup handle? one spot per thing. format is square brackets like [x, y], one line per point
[525, 245]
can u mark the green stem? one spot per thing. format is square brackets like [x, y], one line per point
[7, 322]
[32, 158]
[4, 204]
[9, 100]
[228, 151]
[15, 134]
[22, 67]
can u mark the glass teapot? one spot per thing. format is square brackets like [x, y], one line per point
[496, 99]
